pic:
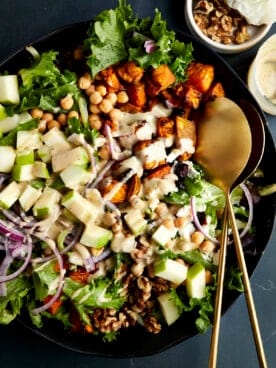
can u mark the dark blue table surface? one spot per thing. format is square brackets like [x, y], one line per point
[24, 21]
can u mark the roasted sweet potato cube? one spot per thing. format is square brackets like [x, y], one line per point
[192, 96]
[216, 90]
[111, 80]
[200, 76]
[119, 194]
[159, 172]
[130, 72]
[188, 94]
[160, 79]
[165, 127]
[185, 128]
[137, 94]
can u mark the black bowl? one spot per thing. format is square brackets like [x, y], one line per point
[136, 341]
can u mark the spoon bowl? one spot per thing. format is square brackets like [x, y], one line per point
[224, 151]
[224, 142]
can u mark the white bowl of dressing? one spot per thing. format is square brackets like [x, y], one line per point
[261, 77]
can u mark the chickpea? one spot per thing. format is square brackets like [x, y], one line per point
[53, 124]
[94, 109]
[168, 223]
[42, 125]
[90, 90]
[105, 106]
[104, 152]
[180, 221]
[101, 89]
[84, 82]
[122, 97]
[95, 98]
[67, 102]
[112, 97]
[95, 121]
[161, 210]
[62, 118]
[207, 246]
[47, 116]
[116, 114]
[73, 114]
[36, 113]
[197, 237]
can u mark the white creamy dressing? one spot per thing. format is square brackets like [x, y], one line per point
[267, 78]
[139, 126]
[262, 76]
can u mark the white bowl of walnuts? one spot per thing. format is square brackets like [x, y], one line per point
[222, 28]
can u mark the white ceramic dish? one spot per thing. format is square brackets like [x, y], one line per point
[257, 34]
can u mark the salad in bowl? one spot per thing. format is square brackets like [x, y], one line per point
[106, 221]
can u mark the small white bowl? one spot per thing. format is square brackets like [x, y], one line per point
[257, 33]
[261, 78]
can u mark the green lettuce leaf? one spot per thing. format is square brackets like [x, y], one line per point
[43, 84]
[106, 37]
[11, 304]
[100, 293]
[46, 279]
[203, 307]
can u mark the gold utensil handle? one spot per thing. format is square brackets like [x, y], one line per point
[219, 294]
[247, 288]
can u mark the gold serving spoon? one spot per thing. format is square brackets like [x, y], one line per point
[224, 152]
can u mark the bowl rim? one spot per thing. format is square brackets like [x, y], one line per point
[263, 30]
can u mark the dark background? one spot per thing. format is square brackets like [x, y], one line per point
[22, 22]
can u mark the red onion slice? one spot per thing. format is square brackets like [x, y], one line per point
[12, 233]
[7, 261]
[102, 173]
[23, 266]
[198, 224]
[150, 46]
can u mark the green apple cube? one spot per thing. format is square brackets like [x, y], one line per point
[162, 235]
[28, 140]
[171, 270]
[95, 236]
[28, 197]
[76, 156]
[168, 308]
[9, 195]
[45, 153]
[74, 176]
[135, 221]
[196, 281]
[23, 172]
[9, 91]
[7, 158]
[46, 203]
[24, 158]
[2, 112]
[40, 170]
[56, 140]
[83, 209]
[11, 122]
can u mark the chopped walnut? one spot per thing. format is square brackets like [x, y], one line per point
[219, 22]
[152, 325]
